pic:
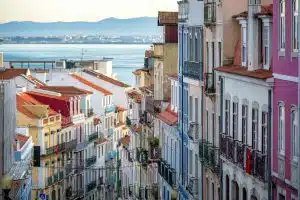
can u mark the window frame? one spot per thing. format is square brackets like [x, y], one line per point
[282, 25]
[245, 123]
[254, 122]
[235, 119]
[281, 139]
[264, 132]
[295, 37]
[227, 117]
[294, 131]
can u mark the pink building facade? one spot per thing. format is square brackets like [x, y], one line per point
[285, 99]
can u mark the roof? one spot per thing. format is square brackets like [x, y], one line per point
[105, 78]
[168, 116]
[10, 73]
[26, 99]
[22, 140]
[36, 81]
[243, 71]
[120, 108]
[138, 71]
[135, 95]
[125, 140]
[265, 10]
[37, 93]
[167, 18]
[100, 141]
[173, 76]
[92, 85]
[67, 90]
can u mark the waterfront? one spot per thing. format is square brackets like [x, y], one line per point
[126, 57]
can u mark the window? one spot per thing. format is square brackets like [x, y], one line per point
[191, 108]
[207, 56]
[294, 129]
[235, 120]
[281, 129]
[227, 117]
[264, 132]
[191, 162]
[191, 47]
[254, 128]
[244, 123]
[295, 41]
[281, 197]
[213, 54]
[196, 110]
[266, 45]
[244, 45]
[282, 24]
[220, 53]
[196, 48]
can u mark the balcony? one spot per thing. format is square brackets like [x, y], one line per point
[142, 156]
[100, 181]
[236, 152]
[69, 169]
[79, 167]
[91, 186]
[69, 192]
[209, 155]
[154, 153]
[210, 84]
[87, 112]
[193, 132]
[193, 186]
[93, 137]
[183, 7]
[55, 178]
[110, 109]
[90, 161]
[50, 150]
[50, 180]
[193, 70]
[167, 172]
[210, 12]
[78, 118]
[60, 176]
[155, 190]
[71, 145]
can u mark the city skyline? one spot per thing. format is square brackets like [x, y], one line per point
[89, 10]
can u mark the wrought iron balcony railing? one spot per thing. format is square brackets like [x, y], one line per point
[69, 146]
[193, 132]
[142, 156]
[87, 112]
[79, 167]
[210, 88]
[260, 165]
[167, 172]
[210, 12]
[93, 137]
[155, 190]
[90, 186]
[90, 161]
[183, 7]
[193, 70]
[209, 155]
[69, 191]
[154, 153]
[193, 186]
[68, 168]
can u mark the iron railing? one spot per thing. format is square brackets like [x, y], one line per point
[93, 137]
[193, 70]
[210, 12]
[90, 161]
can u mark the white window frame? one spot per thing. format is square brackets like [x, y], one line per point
[227, 117]
[282, 25]
[255, 117]
[235, 119]
[295, 12]
[244, 123]
[294, 132]
[264, 132]
[281, 128]
[244, 43]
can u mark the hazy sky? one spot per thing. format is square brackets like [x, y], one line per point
[80, 10]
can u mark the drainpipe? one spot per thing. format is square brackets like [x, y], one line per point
[202, 122]
[269, 165]
[221, 131]
[182, 90]
[298, 119]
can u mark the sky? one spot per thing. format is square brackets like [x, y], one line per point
[80, 10]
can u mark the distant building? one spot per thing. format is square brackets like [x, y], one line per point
[1, 59]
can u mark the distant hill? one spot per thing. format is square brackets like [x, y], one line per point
[132, 26]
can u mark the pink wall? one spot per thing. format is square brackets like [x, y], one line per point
[283, 65]
[285, 92]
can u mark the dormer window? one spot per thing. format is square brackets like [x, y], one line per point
[295, 42]
[282, 25]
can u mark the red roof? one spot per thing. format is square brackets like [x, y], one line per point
[10, 73]
[243, 71]
[26, 99]
[22, 140]
[66, 90]
[125, 140]
[168, 116]
[136, 96]
[265, 10]
[120, 108]
[105, 78]
[92, 85]
[167, 18]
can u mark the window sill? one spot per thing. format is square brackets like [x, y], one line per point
[281, 53]
[294, 54]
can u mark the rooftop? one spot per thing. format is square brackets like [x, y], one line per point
[92, 85]
[10, 73]
[67, 90]
[36, 81]
[168, 116]
[167, 18]
[266, 10]
[243, 71]
[135, 95]
[105, 78]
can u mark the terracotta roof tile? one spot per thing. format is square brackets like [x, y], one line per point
[168, 116]
[22, 140]
[125, 140]
[135, 95]
[10, 73]
[63, 97]
[167, 18]
[243, 71]
[67, 90]
[106, 78]
[92, 85]
[265, 10]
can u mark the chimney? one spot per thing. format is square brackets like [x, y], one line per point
[254, 7]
